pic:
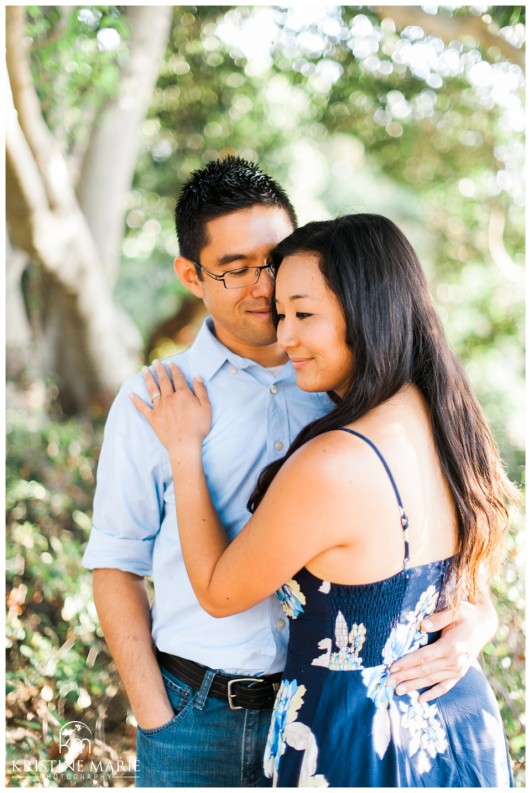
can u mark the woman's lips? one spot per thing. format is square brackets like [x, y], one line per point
[298, 362]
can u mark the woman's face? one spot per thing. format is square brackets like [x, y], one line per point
[311, 326]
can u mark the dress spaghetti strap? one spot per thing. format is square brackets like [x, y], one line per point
[403, 517]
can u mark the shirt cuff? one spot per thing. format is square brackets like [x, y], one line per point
[131, 555]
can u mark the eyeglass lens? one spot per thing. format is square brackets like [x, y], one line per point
[245, 277]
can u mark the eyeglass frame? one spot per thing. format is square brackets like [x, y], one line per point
[221, 277]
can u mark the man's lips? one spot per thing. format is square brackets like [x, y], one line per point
[265, 311]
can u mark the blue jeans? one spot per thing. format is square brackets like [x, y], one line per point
[206, 744]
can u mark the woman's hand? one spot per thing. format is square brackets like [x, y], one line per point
[180, 417]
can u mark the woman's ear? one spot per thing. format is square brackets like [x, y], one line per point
[187, 274]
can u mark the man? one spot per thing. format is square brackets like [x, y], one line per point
[200, 724]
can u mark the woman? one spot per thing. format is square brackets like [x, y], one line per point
[385, 510]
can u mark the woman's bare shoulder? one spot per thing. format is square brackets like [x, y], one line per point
[333, 456]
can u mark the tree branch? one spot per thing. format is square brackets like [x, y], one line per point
[48, 159]
[449, 28]
[24, 187]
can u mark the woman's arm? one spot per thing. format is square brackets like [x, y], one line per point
[278, 541]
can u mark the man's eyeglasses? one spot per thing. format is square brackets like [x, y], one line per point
[244, 276]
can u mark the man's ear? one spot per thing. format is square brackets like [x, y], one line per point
[187, 275]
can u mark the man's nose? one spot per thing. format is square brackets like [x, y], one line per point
[264, 285]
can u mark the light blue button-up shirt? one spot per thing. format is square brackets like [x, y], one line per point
[256, 413]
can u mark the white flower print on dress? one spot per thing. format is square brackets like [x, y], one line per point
[425, 606]
[407, 636]
[428, 737]
[287, 705]
[347, 657]
[427, 734]
[292, 599]
[285, 730]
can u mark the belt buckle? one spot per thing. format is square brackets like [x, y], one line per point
[230, 695]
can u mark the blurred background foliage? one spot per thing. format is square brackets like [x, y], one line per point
[417, 113]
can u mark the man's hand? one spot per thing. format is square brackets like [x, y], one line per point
[154, 715]
[442, 664]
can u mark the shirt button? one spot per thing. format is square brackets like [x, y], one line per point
[273, 389]
[279, 446]
[281, 624]
[233, 370]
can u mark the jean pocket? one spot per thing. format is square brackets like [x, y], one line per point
[180, 698]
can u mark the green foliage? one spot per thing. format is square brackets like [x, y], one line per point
[443, 120]
[76, 52]
[504, 657]
[58, 666]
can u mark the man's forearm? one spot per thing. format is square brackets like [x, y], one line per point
[123, 609]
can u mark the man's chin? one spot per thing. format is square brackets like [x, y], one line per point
[264, 339]
[263, 330]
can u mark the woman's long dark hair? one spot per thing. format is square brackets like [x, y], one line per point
[396, 336]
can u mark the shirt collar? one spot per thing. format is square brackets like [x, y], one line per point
[213, 354]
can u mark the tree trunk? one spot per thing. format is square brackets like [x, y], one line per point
[80, 333]
[18, 331]
[85, 340]
[109, 163]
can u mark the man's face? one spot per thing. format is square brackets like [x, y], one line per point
[242, 316]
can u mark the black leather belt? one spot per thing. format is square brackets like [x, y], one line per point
[249, 693]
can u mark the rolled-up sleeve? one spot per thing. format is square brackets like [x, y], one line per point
[129, 494]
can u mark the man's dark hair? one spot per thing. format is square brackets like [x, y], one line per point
[222, 187]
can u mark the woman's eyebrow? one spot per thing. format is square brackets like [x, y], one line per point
[298, 297]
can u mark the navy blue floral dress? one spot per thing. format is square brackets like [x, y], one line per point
[335, 723]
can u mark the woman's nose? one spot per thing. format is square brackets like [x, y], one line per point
[285, 336]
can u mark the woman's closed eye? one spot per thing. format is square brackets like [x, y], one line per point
[299, 315]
